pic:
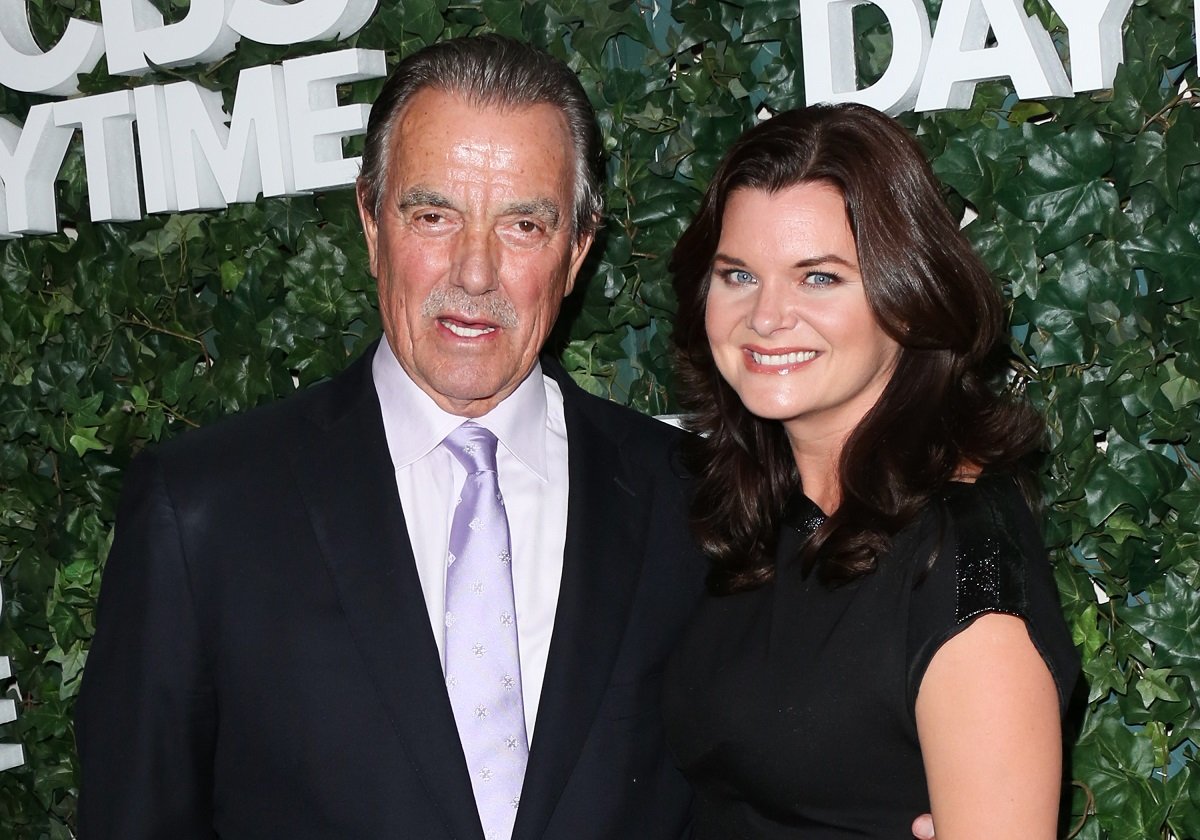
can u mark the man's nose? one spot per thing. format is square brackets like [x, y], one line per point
[476, 265]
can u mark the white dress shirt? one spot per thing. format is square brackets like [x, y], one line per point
[531, 463]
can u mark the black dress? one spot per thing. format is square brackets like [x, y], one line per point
[790, 708]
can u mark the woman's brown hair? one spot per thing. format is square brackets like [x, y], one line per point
[944, 406]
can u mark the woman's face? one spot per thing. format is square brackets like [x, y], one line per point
[787, 316]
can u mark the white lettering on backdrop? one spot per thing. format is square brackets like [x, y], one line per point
[11, 755]
[135, 35]
[285, 135]
[23, 65]
[830, 72]
[935, 71]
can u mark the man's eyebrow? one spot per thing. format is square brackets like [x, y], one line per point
[423, 197]
[542, 208]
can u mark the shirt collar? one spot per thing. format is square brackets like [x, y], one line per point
[415, 424]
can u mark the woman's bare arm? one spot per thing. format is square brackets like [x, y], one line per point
[991, 736]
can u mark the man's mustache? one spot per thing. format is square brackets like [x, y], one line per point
[489, 307]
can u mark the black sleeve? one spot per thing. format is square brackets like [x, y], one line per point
[146, 715]
[990, 559]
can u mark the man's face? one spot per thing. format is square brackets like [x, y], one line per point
[473, 249]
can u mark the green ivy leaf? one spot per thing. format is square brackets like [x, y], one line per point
[85, 440]
[423, 18]
[504, 17]
[1182, 149]
[1007, 246]
[1171, 619]
[1152, 685]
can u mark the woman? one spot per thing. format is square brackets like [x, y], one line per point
[884, 636]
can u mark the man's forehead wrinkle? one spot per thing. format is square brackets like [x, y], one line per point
[467, 167]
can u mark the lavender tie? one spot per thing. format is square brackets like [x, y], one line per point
[483, 669]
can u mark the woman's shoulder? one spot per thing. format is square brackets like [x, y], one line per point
[988, 556]
[991, 544]
[989, 497]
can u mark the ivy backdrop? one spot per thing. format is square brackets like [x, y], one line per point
[113, 337]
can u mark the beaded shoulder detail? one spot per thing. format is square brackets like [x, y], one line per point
[991, 571]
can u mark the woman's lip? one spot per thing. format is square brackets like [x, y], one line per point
[781, 358]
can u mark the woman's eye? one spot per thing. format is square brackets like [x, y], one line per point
[737, 277]
[820, 278]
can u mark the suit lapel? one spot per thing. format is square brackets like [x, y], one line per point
[346, 478]
[601, 567]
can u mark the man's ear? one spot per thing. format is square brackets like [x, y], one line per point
[580, 248]
[366, 214]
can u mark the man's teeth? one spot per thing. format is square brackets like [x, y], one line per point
[466, 332]
[783, 358]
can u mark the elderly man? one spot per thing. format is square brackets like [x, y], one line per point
[432, 597]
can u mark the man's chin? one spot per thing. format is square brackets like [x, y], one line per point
[468, 398]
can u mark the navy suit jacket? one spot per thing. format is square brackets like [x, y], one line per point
[263, 664]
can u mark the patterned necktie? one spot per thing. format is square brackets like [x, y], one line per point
[483, 670]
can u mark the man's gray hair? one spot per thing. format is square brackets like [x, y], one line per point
[489, 70]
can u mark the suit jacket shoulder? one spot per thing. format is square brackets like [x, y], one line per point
[243, 443]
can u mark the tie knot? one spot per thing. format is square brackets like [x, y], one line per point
[473, 446]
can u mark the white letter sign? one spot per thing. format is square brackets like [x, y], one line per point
[136, 36]
[11, 755]
[23, 65]
[318, 123]
[106, 121]
[154, 141]
[278, 22]
[30, 158]
[959, 57]
[1094, 37]
[830, 74]
[217, 165]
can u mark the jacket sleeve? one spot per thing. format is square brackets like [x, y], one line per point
[146, 720]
